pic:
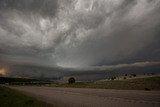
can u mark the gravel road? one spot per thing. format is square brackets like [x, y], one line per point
[79, 97]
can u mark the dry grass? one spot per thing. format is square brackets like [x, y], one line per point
[149, 83]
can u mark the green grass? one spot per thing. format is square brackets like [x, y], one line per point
[12, 98]
[149, 83]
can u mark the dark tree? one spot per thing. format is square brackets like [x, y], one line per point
[112, 78]
[71, 80]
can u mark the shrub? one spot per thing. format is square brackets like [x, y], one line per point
[147, 89]
[134, 75]
[113, 78]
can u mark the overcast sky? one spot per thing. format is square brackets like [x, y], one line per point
[79, 33]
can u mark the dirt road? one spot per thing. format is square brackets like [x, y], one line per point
[78, 97]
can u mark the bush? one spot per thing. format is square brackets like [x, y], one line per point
[71, 80]
[134, 75]
[147, 89]
[113, 78]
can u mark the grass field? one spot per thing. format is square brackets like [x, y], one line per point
[149, 83]
[12, 98]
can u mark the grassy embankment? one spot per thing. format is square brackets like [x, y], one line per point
[12, 98]
[149, 83]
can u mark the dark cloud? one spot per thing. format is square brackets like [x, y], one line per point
[43, 7]
[89, 73]
[79, 33]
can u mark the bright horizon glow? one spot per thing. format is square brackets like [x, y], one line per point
[2, 72]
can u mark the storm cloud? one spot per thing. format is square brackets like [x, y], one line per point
[77, 34]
